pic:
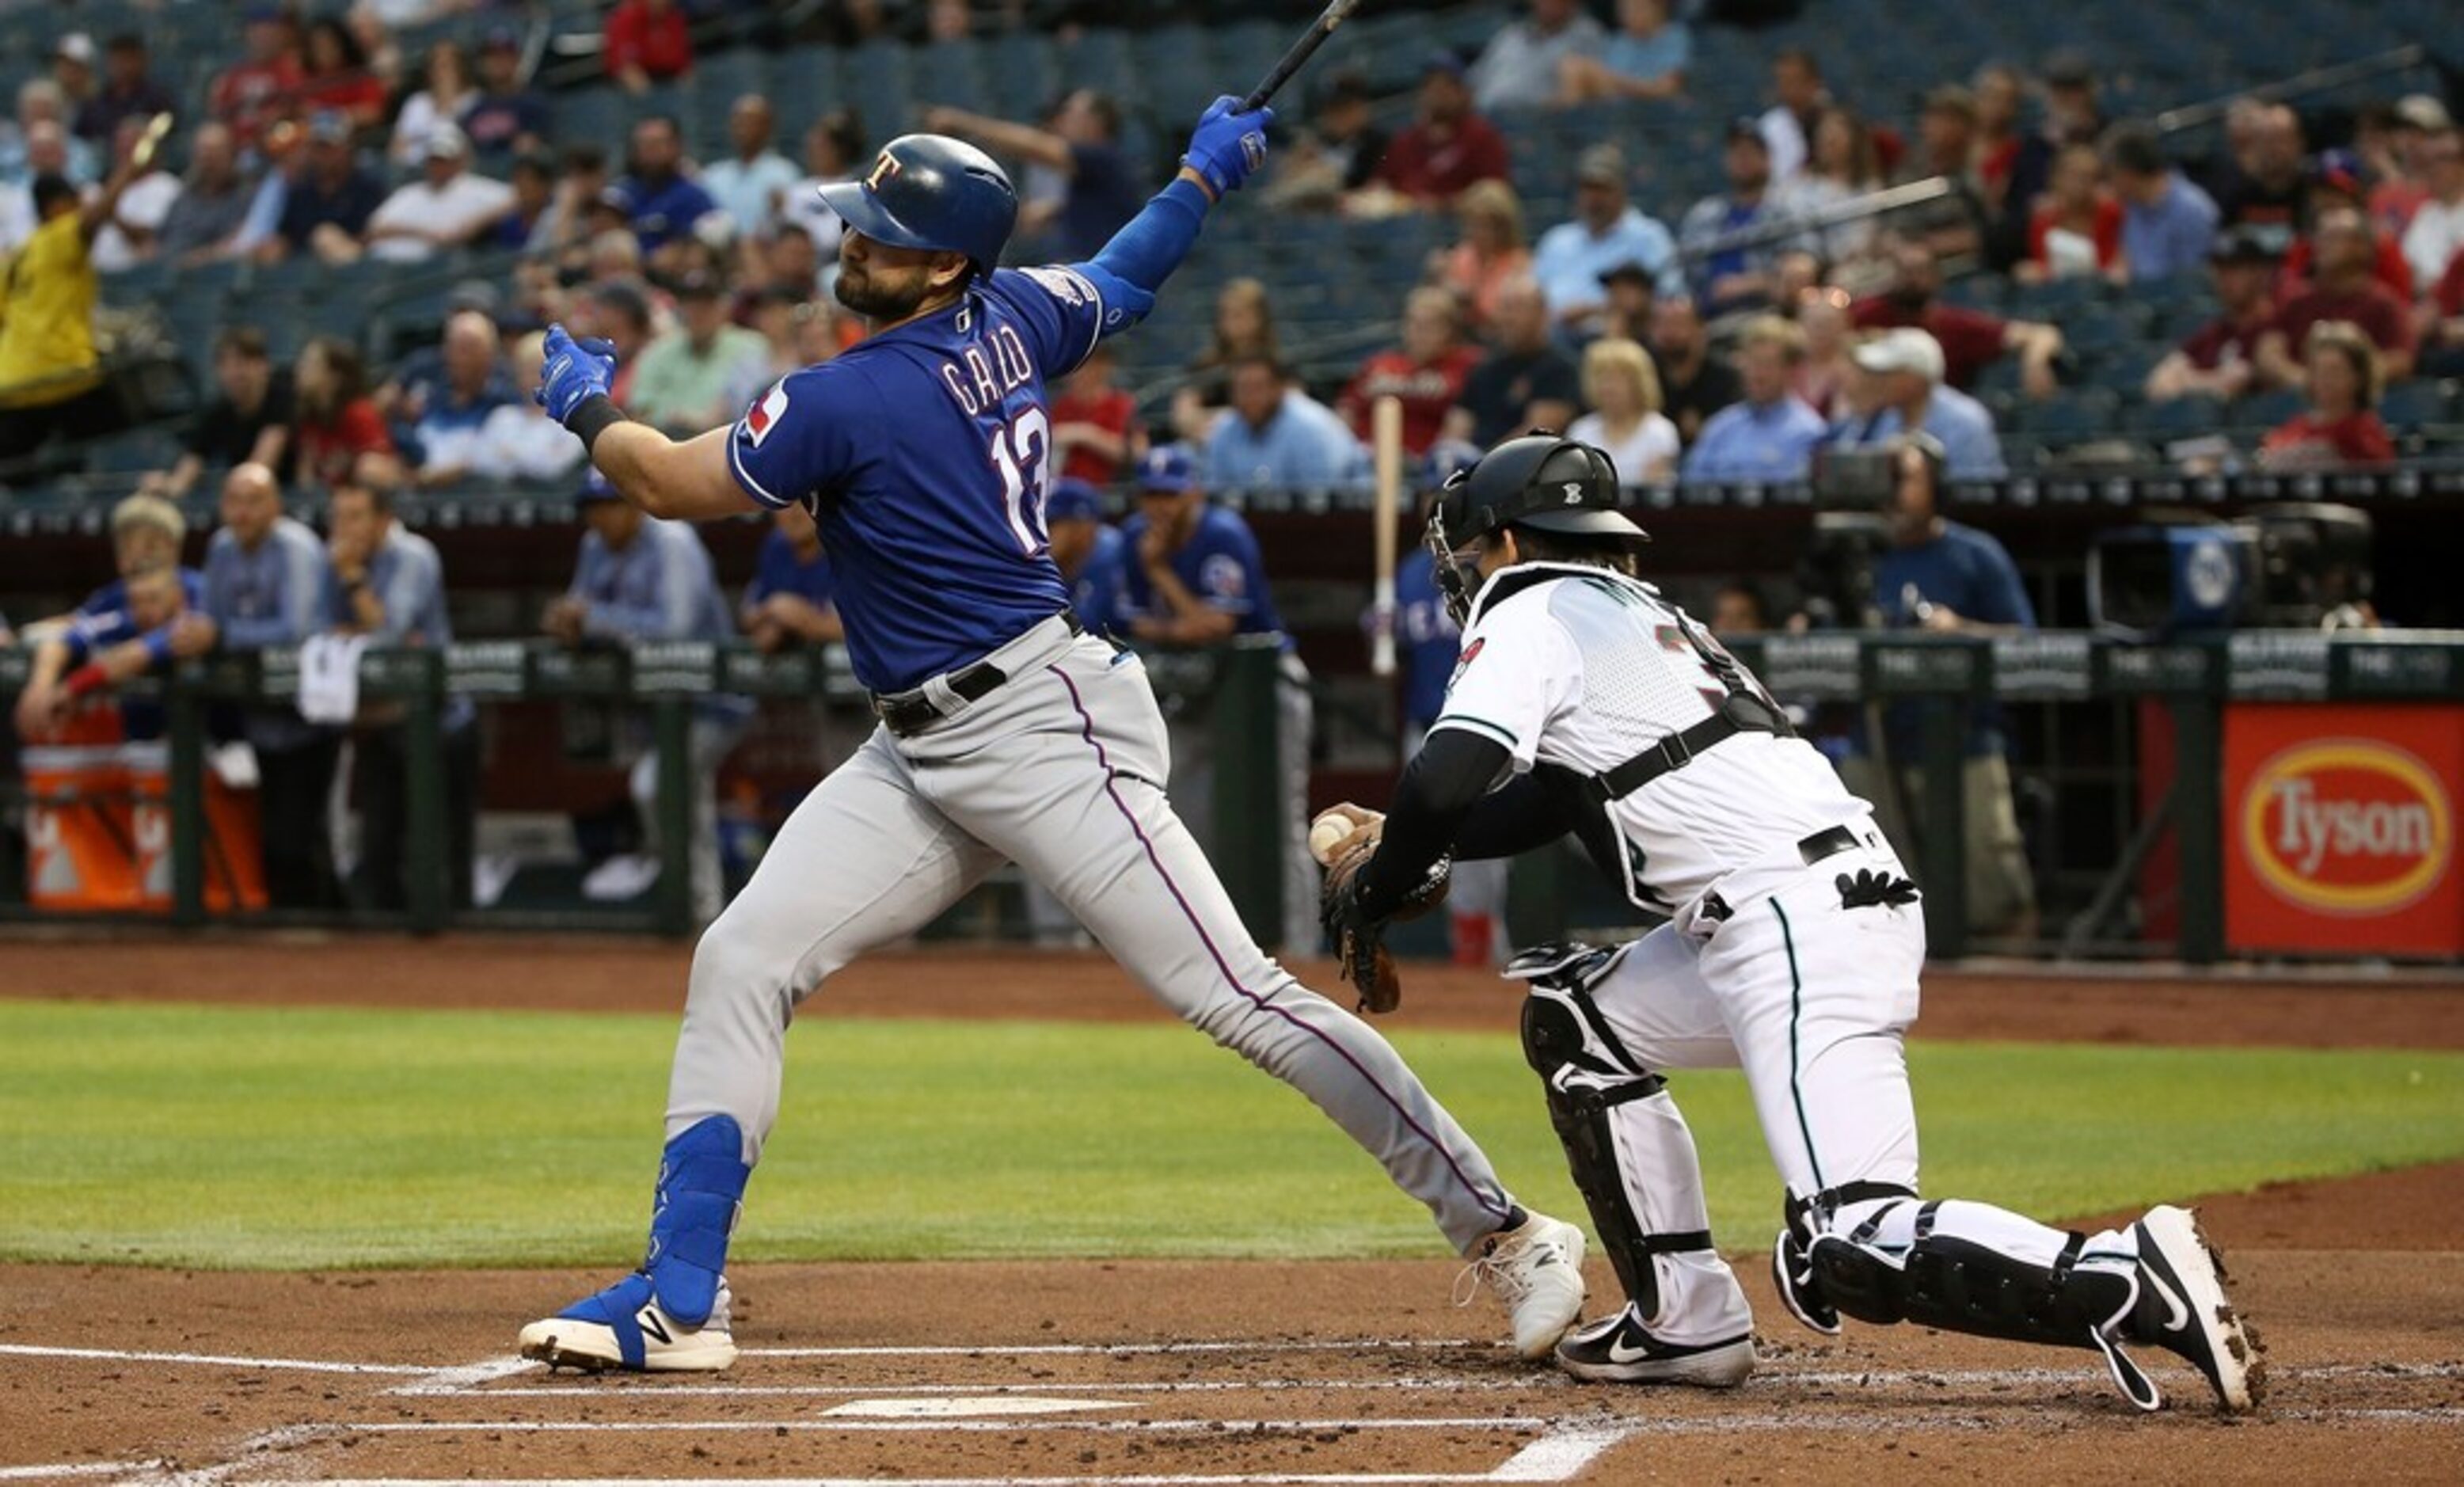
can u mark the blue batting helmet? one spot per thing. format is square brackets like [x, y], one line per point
[932, 192]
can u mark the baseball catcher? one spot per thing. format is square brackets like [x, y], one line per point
[1584, 703]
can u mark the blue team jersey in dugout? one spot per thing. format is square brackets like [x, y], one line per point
[925, 453]
[1427, 638]
[1219, 564]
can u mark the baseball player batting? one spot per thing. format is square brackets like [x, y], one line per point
[925, 454]
[1792, 947]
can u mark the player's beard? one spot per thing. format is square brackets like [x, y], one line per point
[862, 290]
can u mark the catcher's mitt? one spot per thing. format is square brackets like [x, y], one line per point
[1359, 940]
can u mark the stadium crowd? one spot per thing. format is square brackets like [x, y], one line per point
[1733, 337]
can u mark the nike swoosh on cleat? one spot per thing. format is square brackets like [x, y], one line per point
[2173, 1303]
[1618, 1352]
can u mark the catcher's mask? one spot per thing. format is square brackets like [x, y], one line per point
[1541, 480]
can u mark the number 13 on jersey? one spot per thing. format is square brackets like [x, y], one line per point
[1022, 451]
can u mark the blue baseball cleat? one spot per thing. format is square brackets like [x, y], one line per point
[626, 1328]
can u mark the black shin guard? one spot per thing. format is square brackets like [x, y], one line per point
[1587, 1075]
[1963, 1287]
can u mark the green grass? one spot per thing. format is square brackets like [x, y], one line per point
[314, 1137]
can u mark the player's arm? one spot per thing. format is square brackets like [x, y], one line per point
[1444, 805]
[672, 480]
[1026, 142]
[1225, 149]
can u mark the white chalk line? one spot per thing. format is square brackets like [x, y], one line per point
[844, 1426]
[209, 1360]
[60, 1468]
[1125, 1349]
[465, 1379]
[1236, 1480]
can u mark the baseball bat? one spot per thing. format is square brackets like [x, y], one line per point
[1386, 428]
[1335, 14]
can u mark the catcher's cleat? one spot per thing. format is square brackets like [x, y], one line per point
[626, 1328]
[1619, 1349]
[1536, 1269]
[1793, 1277]
[2181, 1306]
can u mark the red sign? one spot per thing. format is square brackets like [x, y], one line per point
[2341, 827]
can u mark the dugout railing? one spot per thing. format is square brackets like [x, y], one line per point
[2192, 680]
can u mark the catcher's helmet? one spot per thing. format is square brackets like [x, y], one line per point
[1542, 480]
[930, 192]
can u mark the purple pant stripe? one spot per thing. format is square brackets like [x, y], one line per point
[1087, 731]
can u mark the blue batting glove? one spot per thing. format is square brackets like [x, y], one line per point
[1228, 145]
[573, 372]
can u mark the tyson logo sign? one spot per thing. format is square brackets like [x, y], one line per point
[2348, 826]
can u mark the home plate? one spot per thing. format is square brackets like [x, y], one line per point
[966, 1407]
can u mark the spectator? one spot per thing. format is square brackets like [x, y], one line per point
[1095, 432]
[336, 78]
[2167, 224]
[388, 584]
[528, 224]
[637, 580]
[789, 601]
[2220, 359]
[1425, 373]
[214, 201]
[1823, 314]
[507, 118]
[1787, 127]
[1083, 146]
[1277, 437]
[2335, 188]
[1606, 230]
[450, 427]
[580, 185]
[51, 377]
[1245, 326]
[73, 59]
[1645, 60]
[660, 203]
[833, 146]
[328, 206]
[1337, 156]
[2346, 288]
[646, 42]
[2072, 116]
[1631, 296]
[1522, 65]
[1999, 91]
[1947, 146]
[1738, 609]
[339, 438]
[133, 233]
[1732, 278]
[1694, 383]
[1839, 167]
[1625, 420]
[788, 262]
[519, 441]
[128, 90]
[2341, 426]
[448, 206]
[2435, 236]
[1901, 392]
[47, 154]
[1769, 433]
[2265, 187]
[43, 111]
[1526, 383]
[751, 183]
[146, 536]
[448, 96]
[248, 422]
[689, 378]
[252, 93]
[1088, 552]
[2416, 123]
[2442, 324]
[1948, 579]
[1970, 339]
[1491, 252]
[265, 586]
[2075, 229]
[1446, 148]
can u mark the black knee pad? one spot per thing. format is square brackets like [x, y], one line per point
[1585, 1075]
[1960, 1287]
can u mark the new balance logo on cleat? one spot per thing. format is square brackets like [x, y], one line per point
[625, 1328]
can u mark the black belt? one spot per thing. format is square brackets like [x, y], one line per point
[909, 712]
[1826, 844]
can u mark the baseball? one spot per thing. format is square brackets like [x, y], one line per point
[1326, 834]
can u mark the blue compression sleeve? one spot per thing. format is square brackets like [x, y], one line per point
[1140, 257]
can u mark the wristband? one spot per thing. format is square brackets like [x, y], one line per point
[592, 417]
[87, 678]
[158, 645]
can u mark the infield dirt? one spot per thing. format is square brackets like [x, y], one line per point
[1086, 1371]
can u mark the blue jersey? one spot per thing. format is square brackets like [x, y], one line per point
[1427, 638]
[103, 621]
[925, 453]
[1096, 592]
[1219, 563]
[780, 571]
